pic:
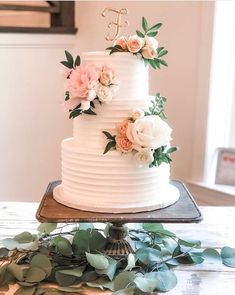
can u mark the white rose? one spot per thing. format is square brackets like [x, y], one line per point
[149, 132]
[143, 158]
[151, 42]
[104, 94]
[137, 113]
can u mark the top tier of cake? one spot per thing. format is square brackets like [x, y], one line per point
[129, 69]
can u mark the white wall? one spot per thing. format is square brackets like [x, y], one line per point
[32, 123]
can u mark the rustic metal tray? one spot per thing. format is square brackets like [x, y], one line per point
[184, 210]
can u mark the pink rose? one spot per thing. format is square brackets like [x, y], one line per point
[122, 127]
[123, 144]
[121, 41]
[106, 76]
[135, 43]
[149, 52]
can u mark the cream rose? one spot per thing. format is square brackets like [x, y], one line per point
[106, 76]
[121, 41]
[137, 113]
[104, 93]
[151, 41]
[123, 144]
[135, 43]
[149, 132]
[149, 52]
[144, 157]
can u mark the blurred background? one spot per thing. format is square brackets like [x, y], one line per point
[199, 84]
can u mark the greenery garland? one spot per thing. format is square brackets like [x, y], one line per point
[71, 257]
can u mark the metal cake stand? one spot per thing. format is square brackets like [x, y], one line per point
[184, 210]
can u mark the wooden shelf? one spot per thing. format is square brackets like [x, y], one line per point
[36, 30]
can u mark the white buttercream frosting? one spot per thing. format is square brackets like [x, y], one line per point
[96, 182]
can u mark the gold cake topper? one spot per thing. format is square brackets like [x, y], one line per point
[117, 23]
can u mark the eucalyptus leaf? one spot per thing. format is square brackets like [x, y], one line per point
[130, 262]
[152, 227]
[76, 272]
[110, 270]
[35, 274]
[228, 256]
[63, 246]
[64, 279]
[86, 225]
[212, 255]
[10, 244]
[148, 256]
[123, 279]
[41, 261]
[126, 291]
[101, 283]
[3, 252]
[16, 270]
[145, 284]
[47, 228]
[24, 237]
[165, 280]
[25, 291]
[98, 261]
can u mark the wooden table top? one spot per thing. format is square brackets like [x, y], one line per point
[215, 231]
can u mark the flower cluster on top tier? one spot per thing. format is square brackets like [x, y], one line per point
[145, 134]
[144, 44]
[84, 84]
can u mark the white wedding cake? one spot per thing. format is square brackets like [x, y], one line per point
[132, 175]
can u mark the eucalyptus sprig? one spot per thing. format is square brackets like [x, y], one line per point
[157, 106]
[73, 259]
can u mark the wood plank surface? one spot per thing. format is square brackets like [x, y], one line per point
[216, 230]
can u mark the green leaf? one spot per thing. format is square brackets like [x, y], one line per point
[101, 283]
[110, 270]
[126, 291]
[153, 63]
[191, 243]
[162, 53]
[98, 261]
[24, 237]
[108, 135]
[69, 57]
[63, 246]
[3, 252]
[41, 261]
[145, 284]
[163, 62]
[144, 24]
[228, 256]
[139, 34]
[75, 113]
[85, 225]
[16, 271]
[123, 279]
[47, 228]
[130, 262]
[109, 146]
[64, 279]
[211, 255]
[25, 291]
[165, 280]
[75, 272]
[77, 61]
[152, 34]
[10, 244]
[66, 64]
[171, 150]
[152, 227]
[155, 27]
[88, 241]
[148, 256]
[89, 112]
[35, 274]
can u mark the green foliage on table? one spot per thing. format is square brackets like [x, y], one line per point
[73, 259]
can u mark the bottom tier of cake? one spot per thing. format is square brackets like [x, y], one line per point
[95, 182]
